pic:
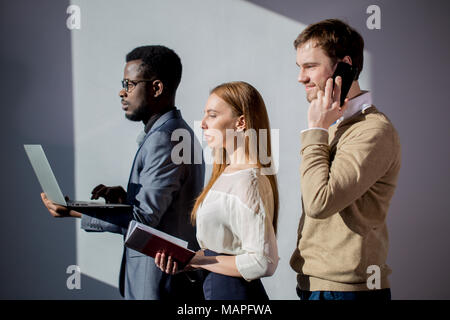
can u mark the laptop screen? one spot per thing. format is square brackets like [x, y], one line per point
[44, 173]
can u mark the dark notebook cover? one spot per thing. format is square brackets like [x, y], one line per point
[150, 241]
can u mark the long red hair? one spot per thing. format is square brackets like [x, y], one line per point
[244, 100]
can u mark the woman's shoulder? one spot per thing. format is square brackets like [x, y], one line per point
[240, 179]
[246, 185]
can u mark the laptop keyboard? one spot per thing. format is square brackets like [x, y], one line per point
[83, 203]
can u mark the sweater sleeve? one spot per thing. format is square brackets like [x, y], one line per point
[330, 185]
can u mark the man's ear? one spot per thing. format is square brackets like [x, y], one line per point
[347, 59]
[240, 124]
[158, 88]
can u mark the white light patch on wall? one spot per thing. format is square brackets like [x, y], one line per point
[365, 78]
[217, 41]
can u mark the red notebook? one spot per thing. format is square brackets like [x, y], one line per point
[150, 241]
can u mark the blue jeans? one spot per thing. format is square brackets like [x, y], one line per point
[373, 295]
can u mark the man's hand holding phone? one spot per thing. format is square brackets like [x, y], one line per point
[326, 109]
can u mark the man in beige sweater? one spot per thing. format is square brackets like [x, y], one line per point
[349, 169]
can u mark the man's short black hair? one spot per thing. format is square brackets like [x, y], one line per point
[159, 62]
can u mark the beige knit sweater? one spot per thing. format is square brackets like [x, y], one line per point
[348, 177]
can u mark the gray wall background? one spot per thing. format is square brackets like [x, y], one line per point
[41, 77]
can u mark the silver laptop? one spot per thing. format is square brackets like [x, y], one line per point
[50, 186]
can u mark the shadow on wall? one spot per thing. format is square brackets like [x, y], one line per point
[37, 108]
[410, 57]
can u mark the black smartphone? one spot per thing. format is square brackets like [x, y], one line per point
[347, 73]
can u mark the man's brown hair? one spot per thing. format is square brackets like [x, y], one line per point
[337, 39]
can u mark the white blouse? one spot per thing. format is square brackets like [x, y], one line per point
[236, 217]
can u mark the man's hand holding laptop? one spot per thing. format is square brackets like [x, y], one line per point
[110, 194]
[59, 211]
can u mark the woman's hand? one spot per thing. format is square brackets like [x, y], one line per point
[168, 265]
[196, 260]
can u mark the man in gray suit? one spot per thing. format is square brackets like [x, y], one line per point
[161, 191]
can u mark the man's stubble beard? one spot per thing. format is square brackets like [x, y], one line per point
[140, 113]
[316, 89]
[312, 96]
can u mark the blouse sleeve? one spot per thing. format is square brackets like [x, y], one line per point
[260, 257]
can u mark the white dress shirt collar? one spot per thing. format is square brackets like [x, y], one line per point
[359, 103]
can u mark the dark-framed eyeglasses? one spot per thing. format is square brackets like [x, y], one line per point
[129, 85]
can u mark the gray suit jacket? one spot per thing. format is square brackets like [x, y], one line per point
[162, 194]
